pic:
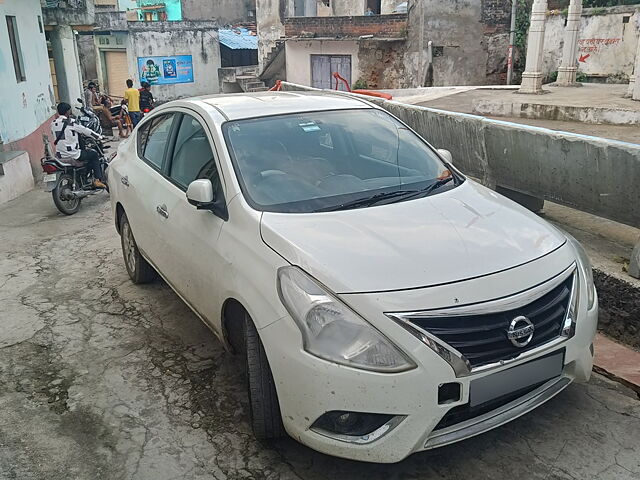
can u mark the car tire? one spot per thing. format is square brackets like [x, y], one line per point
[266, 420]
[139, 270]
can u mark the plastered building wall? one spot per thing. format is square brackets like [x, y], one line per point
[178, 38]
[606, 46]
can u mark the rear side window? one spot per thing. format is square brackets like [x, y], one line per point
[153, 138]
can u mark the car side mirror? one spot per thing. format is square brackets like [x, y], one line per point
[446, 154]
[200, 194]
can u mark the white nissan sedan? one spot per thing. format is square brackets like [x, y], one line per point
[385, 303]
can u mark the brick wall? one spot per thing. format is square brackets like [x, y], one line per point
[383, 26]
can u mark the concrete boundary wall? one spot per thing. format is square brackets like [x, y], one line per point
[591, 174]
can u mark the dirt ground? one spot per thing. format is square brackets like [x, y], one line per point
[102, 379]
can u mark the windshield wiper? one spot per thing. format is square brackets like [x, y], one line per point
[430, 188]
[368, 201]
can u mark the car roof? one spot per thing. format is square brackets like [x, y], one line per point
[262, 104]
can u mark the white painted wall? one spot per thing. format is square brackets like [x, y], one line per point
[25, 105]
[610, 44]
[202, 45]
[17, 178]
[299, 53]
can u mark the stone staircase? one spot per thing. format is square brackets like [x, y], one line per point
[251, 83]
[273, 67]
[240, 79]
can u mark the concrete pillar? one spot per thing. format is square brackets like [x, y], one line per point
[532, 76]
[568, 69]
[634, 84]
[65, 58]
[634, 263]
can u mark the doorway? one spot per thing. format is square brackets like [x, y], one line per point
[375, 5]
[323, 66]
[117, 72]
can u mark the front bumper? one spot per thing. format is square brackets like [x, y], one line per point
[308, 387]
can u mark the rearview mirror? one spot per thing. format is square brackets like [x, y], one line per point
[200, 194]
[79, 100]
[446, 154]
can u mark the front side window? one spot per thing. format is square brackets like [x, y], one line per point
[153, 138]
[193, 157]
[333, 160]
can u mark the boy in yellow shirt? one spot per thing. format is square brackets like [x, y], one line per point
[132, 96]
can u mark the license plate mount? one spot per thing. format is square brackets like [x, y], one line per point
[49, 177]
[493, 386]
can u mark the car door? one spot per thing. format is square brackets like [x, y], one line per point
[192, 262]
[141, 179]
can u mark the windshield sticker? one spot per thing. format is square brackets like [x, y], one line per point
[309, 127]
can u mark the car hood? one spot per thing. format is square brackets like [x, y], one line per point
[463, 233]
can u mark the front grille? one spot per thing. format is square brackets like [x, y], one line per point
[482, 339]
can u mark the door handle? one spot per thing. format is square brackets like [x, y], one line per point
[162, 210]
[125, 181]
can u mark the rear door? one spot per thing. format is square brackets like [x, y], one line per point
[140, 180]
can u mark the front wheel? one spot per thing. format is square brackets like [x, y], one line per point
[266, 420]
[63, 196]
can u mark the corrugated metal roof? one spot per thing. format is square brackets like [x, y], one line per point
[238, 39]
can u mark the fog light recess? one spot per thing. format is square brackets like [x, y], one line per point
[354, 426]
[449, 393]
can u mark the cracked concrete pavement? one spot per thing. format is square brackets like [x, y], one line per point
[102, 379]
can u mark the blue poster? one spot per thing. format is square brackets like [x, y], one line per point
[166, 70]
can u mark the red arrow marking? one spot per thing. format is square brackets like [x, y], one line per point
[583, 58]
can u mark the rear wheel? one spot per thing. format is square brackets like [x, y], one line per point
[266, 420]
[63, 197]
[139, 270]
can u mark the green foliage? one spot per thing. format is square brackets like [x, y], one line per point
[522, 27]
[552, 77]
[581, 77]
[600, 3]
[360, 84]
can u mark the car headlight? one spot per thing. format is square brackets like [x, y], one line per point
[585, 269]
[331, 330]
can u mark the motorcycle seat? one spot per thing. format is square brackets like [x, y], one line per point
[59, 163]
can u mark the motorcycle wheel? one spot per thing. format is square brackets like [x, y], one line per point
[66, 205]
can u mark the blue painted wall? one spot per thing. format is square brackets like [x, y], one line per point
[25, 105]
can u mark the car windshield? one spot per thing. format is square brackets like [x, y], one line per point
[332, 160]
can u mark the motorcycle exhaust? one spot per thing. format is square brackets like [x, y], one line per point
[83, 193]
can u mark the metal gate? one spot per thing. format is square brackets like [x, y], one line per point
[117, 72]
[323, 66]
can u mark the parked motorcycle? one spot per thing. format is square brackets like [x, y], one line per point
[88, 118]
[69, 184]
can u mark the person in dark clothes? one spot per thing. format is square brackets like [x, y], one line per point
[146, 98]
